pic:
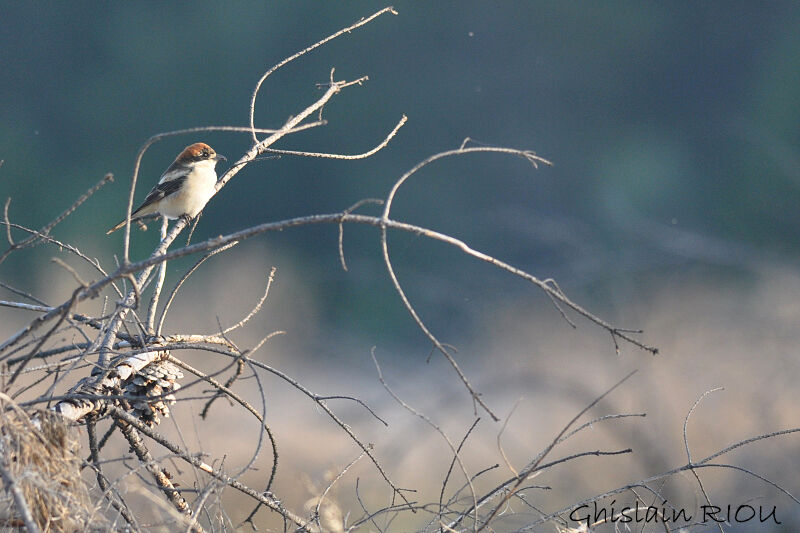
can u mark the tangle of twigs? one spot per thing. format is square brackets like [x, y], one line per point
[136, 376]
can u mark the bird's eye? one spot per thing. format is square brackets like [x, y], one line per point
[205, 152]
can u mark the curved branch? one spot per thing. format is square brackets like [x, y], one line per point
[160, 136]
[703, 463]
[363, 155]
[183, 280]
[334, 218]
[289, 59]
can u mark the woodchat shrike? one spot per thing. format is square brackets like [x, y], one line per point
[184, 188]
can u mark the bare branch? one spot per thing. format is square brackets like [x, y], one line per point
[688, 451]
[291, 58]
[500, 434]
[159, 475]
[71, 270]
[159, 256]
[428, 421]
[269, 502]
[24, 294]
[7, 221]
[160, 136]
[227, 391]
[255, 309]
[364, 155]
[331, 484]
[162, 274]
[517, 481]
[341, 226]
[61, 317]
[102, 482]
[183, 280]
[453, 463]
[30, 241]
[62, 246]
[703, 463]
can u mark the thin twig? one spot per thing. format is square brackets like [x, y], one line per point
[428, 421]
[359, 402]
[366, 448]
[363, 155]
[71, 270]
[341, 226]
[102, 482]
[62, 316]
[42, 233]
[24, 294]
[517, 481]
[702, 463]
[500, 434]
[453, 463]
[160, 136]
[263, 78]
[688, 450]
[8, 221]
[331, 484]
[269, 502]
[227, 391]
[160, 255]
[163, 481]
[183, 280]
[257, 308]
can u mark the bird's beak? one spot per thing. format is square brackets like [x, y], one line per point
[220, 156]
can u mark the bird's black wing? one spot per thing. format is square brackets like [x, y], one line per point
[161, 191]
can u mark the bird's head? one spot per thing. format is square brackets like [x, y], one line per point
[198, 152]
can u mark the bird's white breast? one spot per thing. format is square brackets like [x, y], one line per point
[197, 190]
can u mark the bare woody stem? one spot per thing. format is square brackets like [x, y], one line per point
[249, 156]
[126, 418]
[289, 59]
[162, 273]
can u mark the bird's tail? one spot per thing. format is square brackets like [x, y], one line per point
[136, 217]
[118, 226]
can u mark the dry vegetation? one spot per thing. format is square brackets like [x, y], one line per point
[86, 394]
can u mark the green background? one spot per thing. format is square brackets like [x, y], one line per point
[674, 129]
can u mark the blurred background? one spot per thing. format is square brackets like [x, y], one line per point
[674, 130]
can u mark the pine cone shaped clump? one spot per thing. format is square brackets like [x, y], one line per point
[152, 390]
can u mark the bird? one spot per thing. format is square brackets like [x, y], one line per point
[184, 188]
